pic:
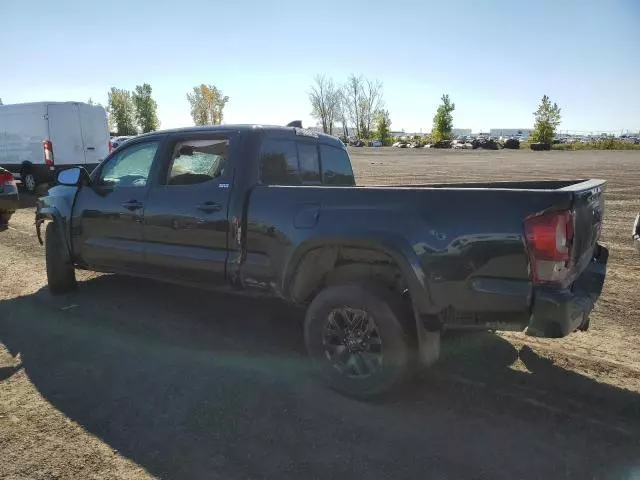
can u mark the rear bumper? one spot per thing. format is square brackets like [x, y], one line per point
[636, 234]
[558, 312]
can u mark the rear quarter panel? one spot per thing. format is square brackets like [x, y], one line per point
[455, 242]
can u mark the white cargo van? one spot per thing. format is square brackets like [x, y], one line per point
[38, 139]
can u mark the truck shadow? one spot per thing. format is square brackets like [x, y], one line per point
[187, 383]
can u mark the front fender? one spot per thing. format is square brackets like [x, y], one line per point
[57, 206]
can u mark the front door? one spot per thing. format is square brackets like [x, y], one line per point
[185, 222]
[107, 224]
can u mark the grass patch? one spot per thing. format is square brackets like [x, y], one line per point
[608, 144]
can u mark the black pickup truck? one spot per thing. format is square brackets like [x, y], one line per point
[382, 271]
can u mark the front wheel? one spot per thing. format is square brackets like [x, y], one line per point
[358, 341]
[61, 275]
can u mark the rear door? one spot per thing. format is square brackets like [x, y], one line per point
[95, 134]
[185, 222]
[65, 133]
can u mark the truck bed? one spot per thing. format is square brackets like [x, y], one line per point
[537, 185]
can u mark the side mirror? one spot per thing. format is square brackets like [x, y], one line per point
[72, 177]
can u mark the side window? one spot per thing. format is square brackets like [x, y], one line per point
[130, 167]
[309, 162]
[279, 163]
[197, 161]
[336, 167]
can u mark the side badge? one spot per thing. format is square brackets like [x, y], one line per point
[223, 185]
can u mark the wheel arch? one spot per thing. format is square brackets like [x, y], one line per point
[311, 263]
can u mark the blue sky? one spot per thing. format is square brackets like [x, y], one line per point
[494, 58]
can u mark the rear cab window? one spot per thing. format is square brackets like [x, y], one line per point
[336, 166]
[304, 162]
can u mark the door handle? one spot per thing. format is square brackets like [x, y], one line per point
[91, 148]
[132, 205]
[210, 207]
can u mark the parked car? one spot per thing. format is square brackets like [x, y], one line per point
[539, 146]
[117, 141]
[381, 271]
[8, 197]
[38, 139]
[636, 233]
[512, 143]
[376, 143]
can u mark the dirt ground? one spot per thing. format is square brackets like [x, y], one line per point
[127, 378]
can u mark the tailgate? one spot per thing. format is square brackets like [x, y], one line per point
[588, 211]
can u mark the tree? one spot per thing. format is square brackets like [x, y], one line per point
[443, 120]
[343, 114]
[146, 108]
[547, 120]
[370, 106]
[362, 101]
[122, 111]
[207, 105]
[1, 102]
[325, 102]
[383, 127]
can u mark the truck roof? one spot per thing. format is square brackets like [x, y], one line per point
[294, 131]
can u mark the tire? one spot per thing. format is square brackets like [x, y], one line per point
[61, 275]
[4, 219]
[28, 179]
[389, 357]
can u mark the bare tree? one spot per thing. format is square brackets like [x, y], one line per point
[371, 104]
[343, 113]
[363, 101]
[352, 93]
[325, 100]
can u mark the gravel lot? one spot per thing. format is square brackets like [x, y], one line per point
[129, 378]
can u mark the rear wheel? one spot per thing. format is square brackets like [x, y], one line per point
[61, 275]
[28, 180]
[357, 339]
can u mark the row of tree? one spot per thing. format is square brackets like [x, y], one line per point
[132, 112]
[359, 104]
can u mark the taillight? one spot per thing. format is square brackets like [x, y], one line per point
[549, 238]
[48, 153]
[6, 177]
[110, 146]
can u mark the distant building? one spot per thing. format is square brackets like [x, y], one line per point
[461, 132]
[509, 132]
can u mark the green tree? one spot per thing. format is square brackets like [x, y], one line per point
[383, 127]
[1, 102]
[122, 111]
[207, 105]
[547, 120]
[443, 120]
[146, 108]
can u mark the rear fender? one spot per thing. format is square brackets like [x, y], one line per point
[427, 333]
